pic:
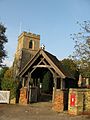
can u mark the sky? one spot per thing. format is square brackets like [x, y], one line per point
[53, 20]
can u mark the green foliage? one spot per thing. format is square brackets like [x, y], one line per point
[71, 67]
[47, 82]
[2, 72]
[9, 73]
[9, 84]
[84, 68]
[3, 40]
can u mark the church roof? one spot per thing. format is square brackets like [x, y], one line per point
[58, 64]
[51, 59]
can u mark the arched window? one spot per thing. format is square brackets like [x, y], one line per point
[31, 44]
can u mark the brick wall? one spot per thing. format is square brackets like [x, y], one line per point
[58, 101]
[75, 105]
[86, 97]
[79, 101]
[23, 96]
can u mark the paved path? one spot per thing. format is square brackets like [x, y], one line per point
[39, 111]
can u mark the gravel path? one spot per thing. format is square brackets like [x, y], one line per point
[38, 111]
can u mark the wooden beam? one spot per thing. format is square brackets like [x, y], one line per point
[35, 67]
[61, 83]
[41, 61]
[29, 77]
[53, 72]
[42, 66]
[23, 81]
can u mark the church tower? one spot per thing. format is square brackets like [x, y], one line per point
[28, 45]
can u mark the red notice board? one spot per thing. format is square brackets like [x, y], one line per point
[72, 99]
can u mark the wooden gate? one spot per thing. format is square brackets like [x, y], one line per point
[4, 96]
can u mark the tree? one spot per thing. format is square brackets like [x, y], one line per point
[9, 73]
[2, 72]
[82, 48]
[84, 68]
[3, 40]
[82, 42]
[71, 66]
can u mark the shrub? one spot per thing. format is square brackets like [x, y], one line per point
[11, 85]
[47, 84]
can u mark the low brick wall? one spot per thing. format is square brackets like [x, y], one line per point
[23, 96]
[13, 101]
[79, 101]
[75, 105]
[86, 104]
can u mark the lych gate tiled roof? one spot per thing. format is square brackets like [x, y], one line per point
[51, 59]
[59, 64]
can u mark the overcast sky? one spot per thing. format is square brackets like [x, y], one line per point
[54, 20]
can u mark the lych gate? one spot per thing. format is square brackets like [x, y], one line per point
[31, 74]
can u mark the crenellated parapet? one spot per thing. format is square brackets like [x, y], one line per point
[29, 34]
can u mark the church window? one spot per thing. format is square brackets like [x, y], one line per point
[31, 44]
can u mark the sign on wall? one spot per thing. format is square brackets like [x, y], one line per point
[72, 99]
[4, 96]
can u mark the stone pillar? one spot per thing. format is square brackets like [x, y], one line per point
[23, 100]
[75, 105]
[13, 101]
[58, 103]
